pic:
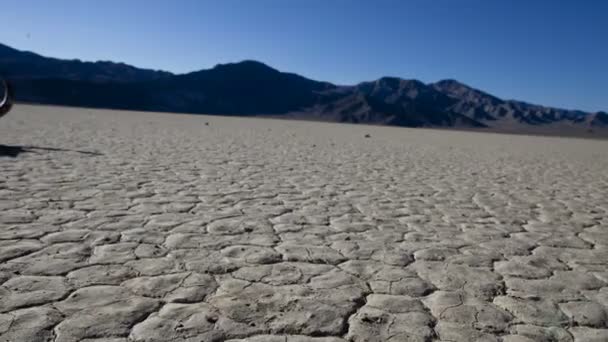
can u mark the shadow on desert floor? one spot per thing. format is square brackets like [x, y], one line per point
[15, 150]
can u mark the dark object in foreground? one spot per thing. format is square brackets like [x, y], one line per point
[11, 151]
[6, 103]
[14, 150]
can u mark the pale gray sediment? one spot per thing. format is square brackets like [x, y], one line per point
[124, 226]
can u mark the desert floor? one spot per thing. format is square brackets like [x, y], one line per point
[124, 226]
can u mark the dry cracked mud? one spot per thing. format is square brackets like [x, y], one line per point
[123, 226]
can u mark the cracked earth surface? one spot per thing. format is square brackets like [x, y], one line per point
[196, 228]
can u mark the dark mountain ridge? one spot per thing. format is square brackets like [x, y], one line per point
[253, 88]
[27, 65]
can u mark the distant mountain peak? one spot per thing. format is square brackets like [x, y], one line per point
[452, 85]
[457, 89]
[246, 64]
[397, 81]
[389, 79]
[385, 86]
[451, 82]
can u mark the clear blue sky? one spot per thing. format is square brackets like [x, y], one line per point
[552, 52]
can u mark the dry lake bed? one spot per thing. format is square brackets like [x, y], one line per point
[124, 226]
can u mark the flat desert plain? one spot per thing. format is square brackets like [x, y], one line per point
[123, 226]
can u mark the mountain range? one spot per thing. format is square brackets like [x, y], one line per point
[251, 88]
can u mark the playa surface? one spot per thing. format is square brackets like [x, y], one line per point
[124, 226]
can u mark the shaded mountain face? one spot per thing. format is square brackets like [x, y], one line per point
[392, 101]
[599, 119]
[493, 111]
[253, 88]
[15, 64]
[245, 88]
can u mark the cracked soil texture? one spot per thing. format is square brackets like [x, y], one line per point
[124, 226]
